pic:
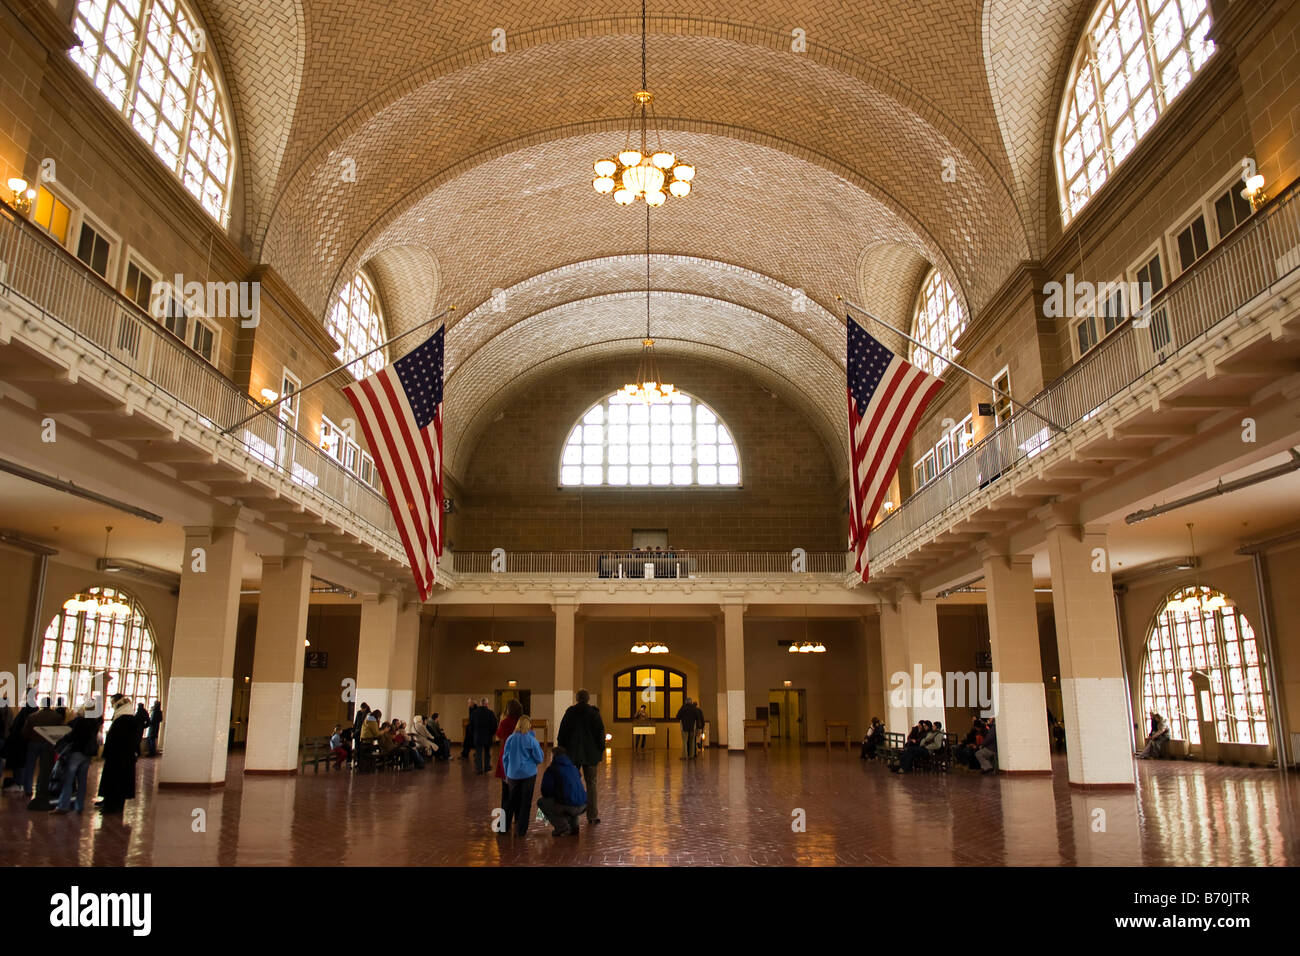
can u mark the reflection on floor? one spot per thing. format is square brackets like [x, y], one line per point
[657, 809]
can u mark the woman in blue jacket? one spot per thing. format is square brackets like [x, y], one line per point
[521, 757]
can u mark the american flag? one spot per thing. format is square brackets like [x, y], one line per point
[887, 397]
[400, 411]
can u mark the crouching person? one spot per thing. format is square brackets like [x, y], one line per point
[564, 798]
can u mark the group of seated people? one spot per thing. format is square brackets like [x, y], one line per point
[372, 739]
[977, 750]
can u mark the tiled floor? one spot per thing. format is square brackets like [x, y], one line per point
[657, 809]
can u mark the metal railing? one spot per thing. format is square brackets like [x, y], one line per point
[1247, 263]
[35, 268]
[656, 565]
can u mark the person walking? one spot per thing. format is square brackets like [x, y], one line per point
[468, 743]
[514, 710]
[155, 725]
[563, 797]
[521, 755]
[482, 728]
[642, 717]
[690, 717]
[582, 735]
[121, 750]
[81, 747]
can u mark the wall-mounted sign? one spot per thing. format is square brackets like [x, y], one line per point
[318, 659]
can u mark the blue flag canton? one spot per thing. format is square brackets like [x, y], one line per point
[867, 362]
[420, 372]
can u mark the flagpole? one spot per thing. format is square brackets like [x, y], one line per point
[334, 371]
[960, 368]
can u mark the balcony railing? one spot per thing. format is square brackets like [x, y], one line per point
[651, 565]
[38, 270]
[1247, 263]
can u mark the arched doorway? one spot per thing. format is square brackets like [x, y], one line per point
[99, 629]
[1198, 628]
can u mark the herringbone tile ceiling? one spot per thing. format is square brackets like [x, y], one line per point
[393, 137]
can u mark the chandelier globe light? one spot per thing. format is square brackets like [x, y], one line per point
[632, 174]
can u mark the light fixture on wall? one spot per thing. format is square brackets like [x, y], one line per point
[22, 197]
[269, 395]
[1254, 192]
[639, 173]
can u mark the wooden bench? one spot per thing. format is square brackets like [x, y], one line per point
[891, 748]
[316, 751]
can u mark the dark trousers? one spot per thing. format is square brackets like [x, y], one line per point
[560, 816]
[519, 803]
[467, 745]
[910, 753]
[483, 758]
[589, 778]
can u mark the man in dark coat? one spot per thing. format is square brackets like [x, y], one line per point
[582, 735]
[482, 730]
[121, 750]
[155, 724]
[15, 745]
[468, 743]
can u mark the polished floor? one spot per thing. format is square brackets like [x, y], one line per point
[788, 806]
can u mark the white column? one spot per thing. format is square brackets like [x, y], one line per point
[720, 731]
[894, 668]
[920, 618]
[564, 689]
[406, 650]
[203, 656]
[375, 650]
[1092, 672]
[733, 614]
[1021, 706]
[275, 700]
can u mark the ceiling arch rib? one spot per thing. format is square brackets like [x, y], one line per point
[407, 280]
[682, 320]
[325, 223]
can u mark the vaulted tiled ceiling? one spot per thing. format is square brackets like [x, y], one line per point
[392, 136]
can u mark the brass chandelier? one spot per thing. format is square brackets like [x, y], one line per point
[646, 387]
[634, 173]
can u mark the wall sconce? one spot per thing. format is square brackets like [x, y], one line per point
[512, 683]
[269, 395]
[787, 683]
[23, 194]
[1254, 192]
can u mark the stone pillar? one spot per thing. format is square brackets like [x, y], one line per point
[1020, 702]
[203, 656]
[1092, 672]
[275, 701]
[894, 670]
[733, 623]
[564, 660]
[720, 730]
[375, 650]
[406, 651]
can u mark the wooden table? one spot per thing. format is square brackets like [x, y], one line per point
[760, 725]
[542, 730]
[838, 725]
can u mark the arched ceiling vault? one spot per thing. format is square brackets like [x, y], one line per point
[684, 323]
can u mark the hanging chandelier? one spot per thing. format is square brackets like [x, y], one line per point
[1197, 599]
[492, 645]
[647, 387]
[640, 173]
[647, 646]
[806, 646]
[102, 603]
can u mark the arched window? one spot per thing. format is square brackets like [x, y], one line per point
[357, 322]
[1201, 629]
[154, 63]
[938, 320]
[623, 442]
[1134, 58]
[101, 629]
[661, 689]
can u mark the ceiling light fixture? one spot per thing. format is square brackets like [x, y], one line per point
[635, 174]
[649, 646]
[647, 388]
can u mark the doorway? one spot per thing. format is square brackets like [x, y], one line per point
[786, 708]
[504, 697]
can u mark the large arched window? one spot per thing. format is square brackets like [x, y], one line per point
[1134, 58]
[1201, 629]
[623, 442]
[661, 689]
[357, 322]
[102, 629]
[154, 63]
[938, 320]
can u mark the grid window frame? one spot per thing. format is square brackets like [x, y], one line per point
[628, 695]
[356, 321]
[938, 318]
